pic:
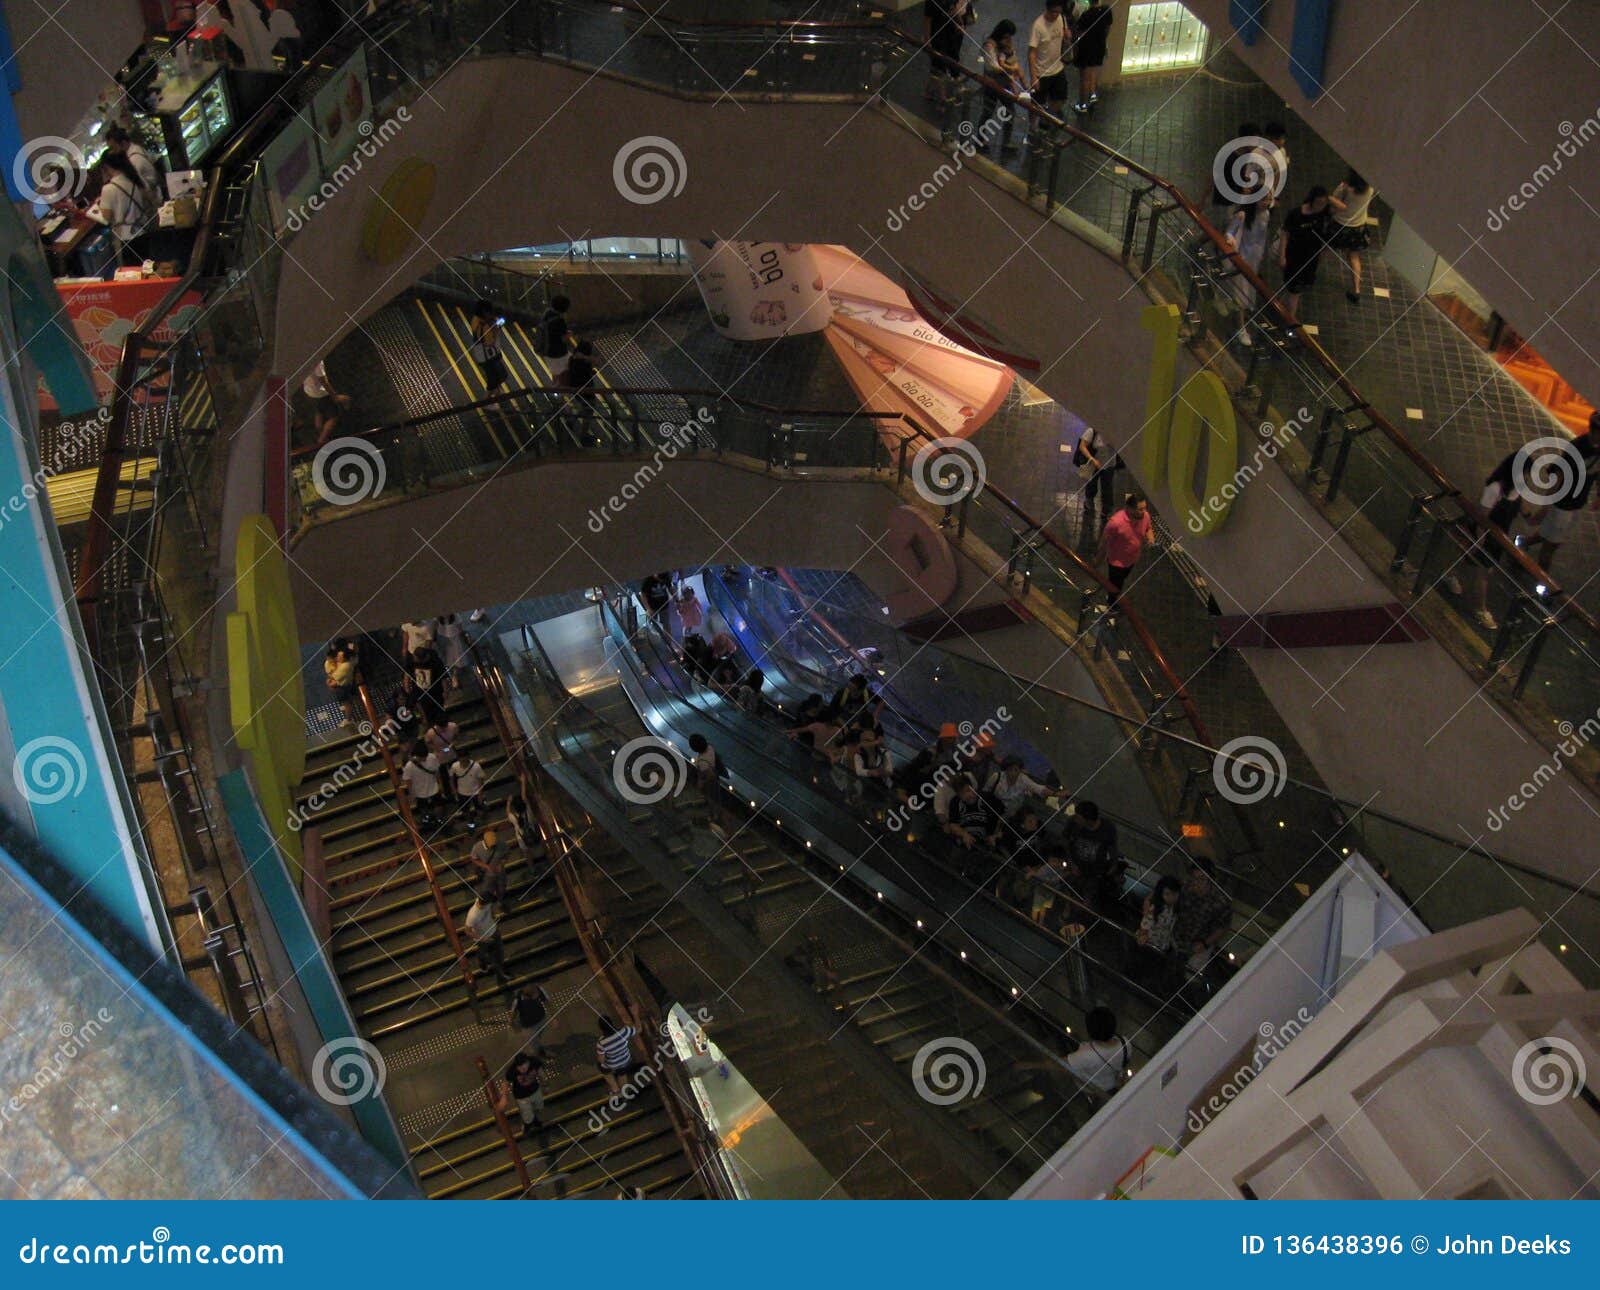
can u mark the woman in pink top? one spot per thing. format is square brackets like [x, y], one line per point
[1123, 541]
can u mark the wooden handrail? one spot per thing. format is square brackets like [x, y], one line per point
[504, 1125]
[560, 851]
[420, 848]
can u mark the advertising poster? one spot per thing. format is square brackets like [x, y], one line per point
[103, 313]
[339, 109]
[290, 165]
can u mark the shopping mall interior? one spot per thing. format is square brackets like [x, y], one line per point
[676, 599]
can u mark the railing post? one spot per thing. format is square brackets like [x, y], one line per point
[1541, 633]
[1130, 225]
[1346, 441]
[1157, 210]
[1435, 536]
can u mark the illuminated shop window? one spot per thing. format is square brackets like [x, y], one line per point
[1163, 36]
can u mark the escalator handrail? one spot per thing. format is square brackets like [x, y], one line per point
[512, 394]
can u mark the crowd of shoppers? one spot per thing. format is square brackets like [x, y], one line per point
[1063, 35]
[1007, 828]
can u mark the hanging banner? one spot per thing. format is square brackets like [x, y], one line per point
[896, 360]
[760, 290]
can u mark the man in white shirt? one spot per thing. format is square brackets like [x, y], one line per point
[1100, 1063]
[467, 776]
[420, 779]
[483, 930]
[416, 635]
[325, 402]
[1047, 68]
[1013, 786]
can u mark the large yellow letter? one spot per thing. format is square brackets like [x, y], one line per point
[1161, 321]
[1203, 402]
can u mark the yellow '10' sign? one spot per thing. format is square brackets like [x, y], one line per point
[1173, 425]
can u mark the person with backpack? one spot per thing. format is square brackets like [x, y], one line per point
[419, 780]
[1573, 488]
[482, 927]
[555, 337]
[125, 207]
[873, 762]
[485, 347]
[124, 144]
[1097, 463]
[427, 672]
[488, 857]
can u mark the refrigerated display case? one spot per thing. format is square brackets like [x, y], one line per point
[200, 124]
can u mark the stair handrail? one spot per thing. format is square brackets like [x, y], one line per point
[419, 847]
[692, 1133]
[490, 1088]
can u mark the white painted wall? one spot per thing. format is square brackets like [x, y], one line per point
[1298, 971]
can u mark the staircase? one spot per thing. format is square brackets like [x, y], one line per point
[405, 990]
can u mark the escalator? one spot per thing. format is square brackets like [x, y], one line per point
[1034, 970]
[819, 638]
[891, 1000]
[401, 978]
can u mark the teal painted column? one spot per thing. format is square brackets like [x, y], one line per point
[61, 780]
[344, 1052]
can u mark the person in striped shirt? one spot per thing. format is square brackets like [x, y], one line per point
[614, 1052]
